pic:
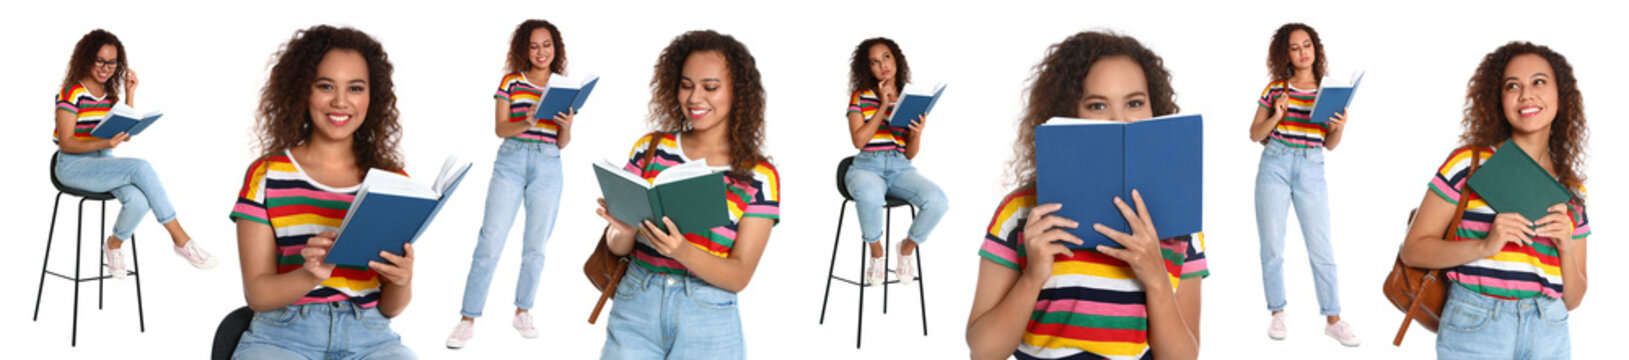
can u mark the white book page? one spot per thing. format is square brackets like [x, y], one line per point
[922, 90]
[1073, 121]
[612, 167]
[450, 170]
[385, 182]
[684, 171]
[570, 82]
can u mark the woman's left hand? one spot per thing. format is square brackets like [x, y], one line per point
[1338, 121]
[399, 270]
[1142, 247]
[667, 242]
[130, 81]
[1556, 226]
[917, 126]
[563, 120]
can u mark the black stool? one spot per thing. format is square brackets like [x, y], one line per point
[842, 188]
[78, 246]
[229, 332]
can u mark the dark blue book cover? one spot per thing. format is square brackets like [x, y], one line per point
[1085, 164]
[123, 119]
[390, 210]
[561, 99]
[916, 102]
[1333, 98]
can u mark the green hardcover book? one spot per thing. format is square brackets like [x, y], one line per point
[690, 194]
[1510, 181]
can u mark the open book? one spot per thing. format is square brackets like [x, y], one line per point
[125, 119]
[1510, 181]
[1085, 164]
[564, 95]
[1334, 96]
[691, 194]
[915, 101]
[391, 210]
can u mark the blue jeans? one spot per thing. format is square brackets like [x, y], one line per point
[876, 175]
[523, 172]
[657, 316]
[337, 330]
[1476, 326]
[1295, 175]
[132, 181]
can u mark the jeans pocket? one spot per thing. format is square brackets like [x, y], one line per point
[628, 287]
[374, 320]
[1555, 313]
[278, 318]
[1462, 317]
[711, 297]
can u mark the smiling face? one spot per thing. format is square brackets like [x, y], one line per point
[107, 62]
[541, 49]
[1302, 52]
[1115, 89]
[339, 96]
[1528, 93]
[882, 63]
[705, 90]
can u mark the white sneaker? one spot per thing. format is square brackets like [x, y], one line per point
[196, 255]
[460, 334]
[115, 262]
[523, 322]
[1276, 329]
[1342, 331]
[906, 270]
[877, 272]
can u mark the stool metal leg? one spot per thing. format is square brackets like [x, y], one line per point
[830, 269]
[100, 269]
[859, 326]
[887, 247]
[921, 290]
[135, 258]
[49, 235]
[79, 245]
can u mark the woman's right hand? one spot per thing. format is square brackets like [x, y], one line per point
[1507, 228]
[1280, 106]
[117, 139]
[617, 228]
[531, 113]
[316, 251]
[1044, 235]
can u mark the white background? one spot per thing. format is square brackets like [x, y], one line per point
[204, 63]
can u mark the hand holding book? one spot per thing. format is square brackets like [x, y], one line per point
[1045, 237]
[1140, 249]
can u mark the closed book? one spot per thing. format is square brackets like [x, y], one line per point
[691, 194]
[1085, 164]
[1511, 182]
[915, 101]
[125, 119]
[390, 210]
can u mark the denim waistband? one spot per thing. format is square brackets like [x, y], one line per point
[1279, 148]
[333, 309]
[643, 278]
[528, 145]
[1541, 303]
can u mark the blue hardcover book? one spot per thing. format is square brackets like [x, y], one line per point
[1334, 97]
[390, 210]
[1085, 164]
[915, 101]
[565, 94]
[124, 119]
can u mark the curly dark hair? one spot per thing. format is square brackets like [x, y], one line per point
[859, 66]
[1485, 123]
[284, 119]
[83, 61]
[520, 43]
[1058, 86]
[1279, 67]
[746, 120]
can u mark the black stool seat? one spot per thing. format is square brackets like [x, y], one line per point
[94, 196]
[229, 332]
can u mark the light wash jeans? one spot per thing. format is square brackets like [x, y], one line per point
[523, 172]
[664, 316]
[1476, 326]
[336, 330]
[132, 181]
[1295, 175]
[879, 174]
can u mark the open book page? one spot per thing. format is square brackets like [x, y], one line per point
[684, 171]
[612, 167]
[451, 170]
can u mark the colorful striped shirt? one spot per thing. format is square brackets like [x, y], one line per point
[1297, 128]
[89, 110]
[1092, 307]
[278, 193]
[866, 103]
[760, 197]
[522, 95]
[1517, 271]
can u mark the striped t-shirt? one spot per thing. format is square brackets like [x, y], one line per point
[89, 110]
[866, 103]
[1517, 271]
[760, 197]
[1297, 128]
[1093, 306]
[276, 192]
[522, 95]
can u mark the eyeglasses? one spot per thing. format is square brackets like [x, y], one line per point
[107, 63]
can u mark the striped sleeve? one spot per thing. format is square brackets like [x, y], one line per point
[856, 105]
[1195, 266]
[1450, 177]
[766, 203]
[1270, 94]
[504, 87]
[67, 100]
[251, 201]
[1004, 238]
[1580, 219]
[636, 156]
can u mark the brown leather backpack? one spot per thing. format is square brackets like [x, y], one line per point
[1421, 293]
[603, 268]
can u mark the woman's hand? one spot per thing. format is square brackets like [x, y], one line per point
[130, 81]
[117, 139]
[618, 228]
[1556, 226]
[669, 242]
[1280, 106]
[316, 251]
[1043, 237]
[917, 126]
[563, 120]
[400, 269]
[531, 113]
[1337, 122]
[1142, 246]
[1509, 228]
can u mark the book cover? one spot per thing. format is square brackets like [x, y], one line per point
[690, 194]
[390, 210]
[564, 95]
[124, 119]
[1085, 164]
[1510, 181]
[1334, 97]
[916, 101]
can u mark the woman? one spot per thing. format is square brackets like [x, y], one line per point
[527, 170]
[1292, 171]
[678, 299]
[1038, 299]
[877, 73]
[1507, 298]
[327, 115]
[97, 70]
